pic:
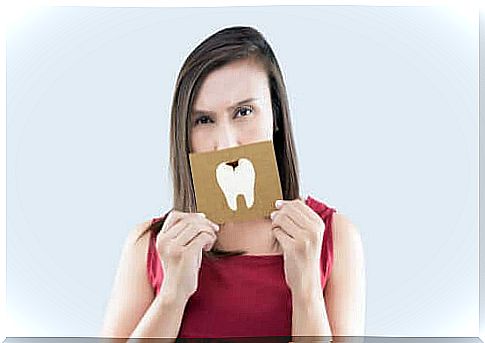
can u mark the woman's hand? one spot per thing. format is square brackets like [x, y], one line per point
[299, 231]
[179, 244]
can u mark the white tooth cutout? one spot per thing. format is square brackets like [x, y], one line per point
[235, 181]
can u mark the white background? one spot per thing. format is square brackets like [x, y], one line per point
[384, 104]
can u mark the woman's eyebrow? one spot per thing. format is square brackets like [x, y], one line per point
[229, 108]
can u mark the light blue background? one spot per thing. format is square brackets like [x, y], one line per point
[384, 104]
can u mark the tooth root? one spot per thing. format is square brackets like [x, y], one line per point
[232, 201]
[249, 200]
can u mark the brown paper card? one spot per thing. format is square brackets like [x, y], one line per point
[256, 160]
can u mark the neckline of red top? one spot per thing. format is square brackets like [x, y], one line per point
[244, 259]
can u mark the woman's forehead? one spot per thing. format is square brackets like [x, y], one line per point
[231, 84]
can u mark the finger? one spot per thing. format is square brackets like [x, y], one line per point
[197, 244]
[182, 225]
[211, 223]
[283, 239]
[280, 203]
[191, 231]
[306, 210]
[208, 246]
[173, 217]
[282, 221]
[199, 241]
[300, 212]
[295, 213]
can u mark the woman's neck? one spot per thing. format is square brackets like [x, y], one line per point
[254, 237]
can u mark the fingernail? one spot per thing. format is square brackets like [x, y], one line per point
[278, 203]
[215, 226]
[272, 215]
[201, 214]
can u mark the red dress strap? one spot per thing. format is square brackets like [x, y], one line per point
[326, 259]
[154, 267]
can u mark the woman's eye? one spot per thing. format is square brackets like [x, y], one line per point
[245, 110]
[202, 120]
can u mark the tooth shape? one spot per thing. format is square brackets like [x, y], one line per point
[235, 181]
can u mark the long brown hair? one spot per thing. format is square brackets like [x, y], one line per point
[221, 48]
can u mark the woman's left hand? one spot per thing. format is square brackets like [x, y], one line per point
[299, 231]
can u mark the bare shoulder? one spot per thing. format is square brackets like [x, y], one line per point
[343, 228]
[135, 246]
[347, 239]
[134, 236]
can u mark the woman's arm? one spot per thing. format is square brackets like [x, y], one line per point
[309, 317]
[132, 310]
[341, 312]
[345, 291]
[163, 318]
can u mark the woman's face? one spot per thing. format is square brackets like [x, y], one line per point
[232, 108]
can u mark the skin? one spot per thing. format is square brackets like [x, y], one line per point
[222, 119]
[344, 295]
[221, 122]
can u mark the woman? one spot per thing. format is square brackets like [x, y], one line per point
[299, 273]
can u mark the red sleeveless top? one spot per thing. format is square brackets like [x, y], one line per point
[244, 295]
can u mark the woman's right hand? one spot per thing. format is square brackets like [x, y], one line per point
[179, 245]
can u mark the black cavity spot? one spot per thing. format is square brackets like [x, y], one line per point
[233, 164]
